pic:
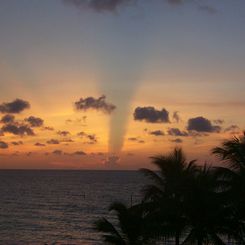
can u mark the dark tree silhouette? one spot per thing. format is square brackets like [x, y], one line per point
[164, 198]
[208, 218]
[232, 177]
[129, 230]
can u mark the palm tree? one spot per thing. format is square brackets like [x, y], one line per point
[232, 153]
[208, 218]
[163, 198]
[130, 229]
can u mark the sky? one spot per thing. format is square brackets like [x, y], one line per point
[105, 84]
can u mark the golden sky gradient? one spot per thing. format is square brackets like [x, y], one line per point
[185, 58]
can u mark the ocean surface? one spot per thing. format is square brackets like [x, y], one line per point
[60, 207]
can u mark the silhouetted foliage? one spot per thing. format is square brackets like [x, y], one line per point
[188, 203]
[130, 229]
[166, 194]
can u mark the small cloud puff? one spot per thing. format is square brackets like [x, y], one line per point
[151, 115]
[201, 124]
[91, 103]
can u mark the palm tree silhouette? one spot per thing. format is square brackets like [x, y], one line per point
[164, 198]
[130, 228]
[208, 218]
[232, 177]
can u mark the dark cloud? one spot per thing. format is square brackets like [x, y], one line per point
[39, 144]
[92, 138]
[16, 129]
[157, 133]
[201, 124]
[17, 142]
[176, 117]
[7, 119]
[151, 115]
[177, 132]
[99, 5]
[133, 139]
[34, 121]
[15, 106]
[79, 153]
[113, 5]
[57, 152]
[178, 140]
[3, 145]
[53, 142]
[91, 103]
[1, 132]
[63, 133]
[136, 139]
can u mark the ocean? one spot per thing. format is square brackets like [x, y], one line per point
[60, 207]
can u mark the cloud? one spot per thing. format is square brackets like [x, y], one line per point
[39, 144]
[3, 145]
[133, 139]
[99, 5]
[57, 152]
[157, 133]
[20, 130]
[151, 115]
[178, 140]
[17, 142]
[91, 103]
[53, 142]
[136, 139]
[15, 106]
[7, 119]
[92, 139]
[63, 133]
[79, 153]
[201, 124]
[177, 132]
[81, 134]
[34, 121]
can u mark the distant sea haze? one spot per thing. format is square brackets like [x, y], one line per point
[60, 207]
